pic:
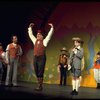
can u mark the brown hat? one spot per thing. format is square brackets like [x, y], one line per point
[64, 49]
[77, 39]
[98, 53]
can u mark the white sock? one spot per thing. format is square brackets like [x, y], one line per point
[77, 84]
[80, 79]
[73, 84]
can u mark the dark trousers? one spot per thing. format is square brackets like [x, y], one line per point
[1, 70]
[1, 74]
[63, 75]
[39, 65]
[4, 72]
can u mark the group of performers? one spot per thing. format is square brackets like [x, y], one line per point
[71, 61]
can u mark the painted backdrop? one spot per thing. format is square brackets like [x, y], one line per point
[70, 20]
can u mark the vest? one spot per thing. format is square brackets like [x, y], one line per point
[39, 48]
[97, 64]
[1, 51]
[13, 51]
[63, 59]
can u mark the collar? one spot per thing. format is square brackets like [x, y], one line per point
[78, 47]
[14, 44]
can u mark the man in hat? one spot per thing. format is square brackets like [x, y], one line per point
[97, 69]
[74, 62]
[13, 53]
[63, 66]
[40, 45]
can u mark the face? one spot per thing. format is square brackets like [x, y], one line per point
[15, 39]
[1, 47]
[76, 43]
[98, 56]
[39, 36]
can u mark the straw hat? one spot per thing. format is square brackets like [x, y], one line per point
[64, 49]
[77, 39]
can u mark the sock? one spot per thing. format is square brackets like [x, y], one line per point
[73, 84]
[77, 84]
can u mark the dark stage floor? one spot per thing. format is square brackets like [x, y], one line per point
[27, 91]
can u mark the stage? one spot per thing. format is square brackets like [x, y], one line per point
[50, 91]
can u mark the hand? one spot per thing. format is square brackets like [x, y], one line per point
[74, 50]
[7, 62]
[65, 66]
[59, 66]
[50, 24]
[69, 67]
[18, 54]
[58, 69]
[31, 25]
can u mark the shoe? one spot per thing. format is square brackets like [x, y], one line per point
[39, 89]
[73, 92]
[6, 83]
[64, 84]
[76, 93]
[98, 86]
[0, 83]
[60, 84]
[14, 84]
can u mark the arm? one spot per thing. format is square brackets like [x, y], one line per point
[80, 53]
[48, 37]
[70, 57]
[30, 33]
[66, 64]
[7, 54]
[70, 60]
[4, 58]
[83, 64]
[20, 51]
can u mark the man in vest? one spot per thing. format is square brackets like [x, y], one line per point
[39, 59]
[63, 66]
[75, 60]
[2, 61]
[13, 52]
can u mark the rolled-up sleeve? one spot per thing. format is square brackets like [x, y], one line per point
[31, 36]
[7, 53]
[48, 37]
[20, 51]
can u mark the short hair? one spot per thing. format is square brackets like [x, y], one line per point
[12, 37]
[0, 44]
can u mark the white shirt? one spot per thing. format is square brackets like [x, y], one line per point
[45, 41]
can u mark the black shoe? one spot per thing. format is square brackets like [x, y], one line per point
[64, 84]
[60, 84]
[76, 93]
[73, 92]
[39, 89]
[98, 85]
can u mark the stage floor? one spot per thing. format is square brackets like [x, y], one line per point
[27, 91]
